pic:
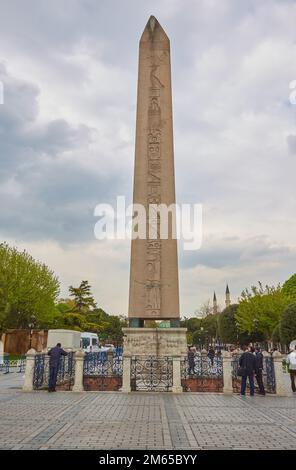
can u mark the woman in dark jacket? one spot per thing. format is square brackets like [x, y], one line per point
[248, 362]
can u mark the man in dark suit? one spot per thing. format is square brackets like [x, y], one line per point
[259, 370]
[248, 362]
[54, 361]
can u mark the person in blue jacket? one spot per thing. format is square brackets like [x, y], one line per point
[54, 361]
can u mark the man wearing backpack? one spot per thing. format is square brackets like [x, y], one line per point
[291, 361]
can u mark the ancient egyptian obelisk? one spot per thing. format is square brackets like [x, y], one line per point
[154, 290]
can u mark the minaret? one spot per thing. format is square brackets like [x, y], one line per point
[154, 288]
[227, 301]
[215, 306]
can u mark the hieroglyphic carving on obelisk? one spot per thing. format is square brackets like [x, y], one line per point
[154, 290]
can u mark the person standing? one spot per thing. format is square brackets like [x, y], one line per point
[191, 362]
[211, 355]
[54, 362]
[247, 362]
[259, 370]
[291, 361]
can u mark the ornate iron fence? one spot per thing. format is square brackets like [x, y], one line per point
[102, 372]
[151, 373]
[96, 364]
[22, 364]
[66, 371]
[268, 375]
[203, 374]
[4, 363]
[203, 367]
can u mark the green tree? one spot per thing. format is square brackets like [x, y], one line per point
[260, 309]
[200, 337]
[28, 290]
[276, 336]
[210, 324]
[289, 288]
[204, 331]
[227, 324]
[192, 324]
[288, 324]
[113, 329]
[83, 298]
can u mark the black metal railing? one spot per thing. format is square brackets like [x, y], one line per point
[202, 366]
[22, 364]
[151, 373]
[66, 371]
[8, 365]
[98, 364]
[268, 375]
[4, 363]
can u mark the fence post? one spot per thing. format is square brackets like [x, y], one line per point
[29, 371]
[126, 373]
[110, 362]
[280, 388]
[78, 381]
[177, 387]
[227, 373]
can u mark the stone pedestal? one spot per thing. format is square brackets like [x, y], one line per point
[279, 375]
[1, 351]
[29, 373]
[177, 387]
[155, 341]
[78, 383]
[227, 373]
[126, 373]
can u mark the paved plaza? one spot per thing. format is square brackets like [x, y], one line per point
[110, 420]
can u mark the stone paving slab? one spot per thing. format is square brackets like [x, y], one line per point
[112, 420]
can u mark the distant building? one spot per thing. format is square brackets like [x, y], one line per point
[227, 300]
[215, 306]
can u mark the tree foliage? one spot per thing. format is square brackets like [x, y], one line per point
[28, 290]
[82, 297]
[260, 309]
[289, 288]
[288, 324]
[204, 331]
[227, 325]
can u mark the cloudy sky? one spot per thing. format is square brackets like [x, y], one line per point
[67, 129]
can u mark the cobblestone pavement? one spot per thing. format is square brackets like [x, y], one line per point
[110, 420]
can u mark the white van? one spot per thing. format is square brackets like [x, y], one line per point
[69, 339]
[89, 342]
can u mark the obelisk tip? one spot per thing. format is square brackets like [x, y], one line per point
[152, 21]
[154, 31]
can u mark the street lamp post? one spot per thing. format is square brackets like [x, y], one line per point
[31, 326]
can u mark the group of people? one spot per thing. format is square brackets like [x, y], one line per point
[250, 365]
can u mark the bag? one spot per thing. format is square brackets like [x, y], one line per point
[241, 372]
